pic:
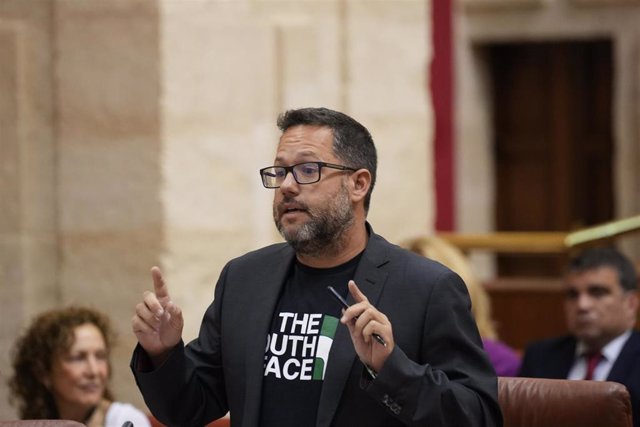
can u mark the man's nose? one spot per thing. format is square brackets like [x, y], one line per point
[289, 184]
[584, 301]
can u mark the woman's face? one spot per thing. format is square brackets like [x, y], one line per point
[79, 377]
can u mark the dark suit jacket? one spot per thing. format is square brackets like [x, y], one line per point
[554, 357]
[437, 375]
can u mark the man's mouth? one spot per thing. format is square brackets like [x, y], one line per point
[291, 208]
[584, 322]
[291, 212]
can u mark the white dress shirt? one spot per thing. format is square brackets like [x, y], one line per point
[610, 353]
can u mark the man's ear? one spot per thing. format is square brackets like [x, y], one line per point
[360, 184]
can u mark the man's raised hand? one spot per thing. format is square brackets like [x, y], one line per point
[363, 321]
[158, 321]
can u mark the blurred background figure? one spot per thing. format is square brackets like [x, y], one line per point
[601, 311]
[62, 369]
[505, 360]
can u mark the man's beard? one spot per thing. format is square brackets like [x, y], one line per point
[322, 233]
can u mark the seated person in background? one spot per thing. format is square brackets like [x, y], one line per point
[505, 360]
[601, 308]
[61, 371]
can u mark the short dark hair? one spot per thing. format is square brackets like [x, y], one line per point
[352, 142]
[594, 258]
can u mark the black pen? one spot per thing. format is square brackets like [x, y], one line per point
[344, 304]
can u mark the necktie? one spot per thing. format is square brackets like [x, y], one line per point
[592, 361]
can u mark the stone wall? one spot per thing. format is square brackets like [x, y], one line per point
[109, 154]
[29, 254]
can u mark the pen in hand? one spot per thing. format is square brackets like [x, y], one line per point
[344, 305]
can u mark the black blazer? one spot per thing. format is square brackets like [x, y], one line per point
[554, 357]
[437, 375]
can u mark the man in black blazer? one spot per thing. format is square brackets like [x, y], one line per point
[276, 349]
[601, 309]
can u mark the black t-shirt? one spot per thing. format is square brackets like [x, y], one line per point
[298, 345]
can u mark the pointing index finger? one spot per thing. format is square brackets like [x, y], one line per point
[358, 296]
[159, 287]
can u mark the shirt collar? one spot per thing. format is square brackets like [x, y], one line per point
[609, 351]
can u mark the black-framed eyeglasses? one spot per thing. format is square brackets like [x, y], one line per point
[303, 173]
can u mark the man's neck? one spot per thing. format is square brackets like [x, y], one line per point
[351, 243]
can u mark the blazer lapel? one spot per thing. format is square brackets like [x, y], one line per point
[370, 279]
[627, 358]
[263, 298]
[560, 365]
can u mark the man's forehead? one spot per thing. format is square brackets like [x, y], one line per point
[307, 132]
[603, 276]
[303, 152]
[310, 144]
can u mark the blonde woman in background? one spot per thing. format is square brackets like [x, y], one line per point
[504, 359]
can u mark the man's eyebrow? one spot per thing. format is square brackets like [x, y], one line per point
[589, 287]
[301, 155]
[597, 286]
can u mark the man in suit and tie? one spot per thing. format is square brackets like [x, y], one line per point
[276, 349]
[601, 307]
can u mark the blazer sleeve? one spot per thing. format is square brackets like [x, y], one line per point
[188, 388]
[453, 382]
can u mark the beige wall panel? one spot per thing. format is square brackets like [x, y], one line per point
[28, 274]
[10, 160]
[108, 94]
[218, 130]
[12, 273]
[389, 55]
[230, 68]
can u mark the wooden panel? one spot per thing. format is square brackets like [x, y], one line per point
[553, 142]
[527, 310]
